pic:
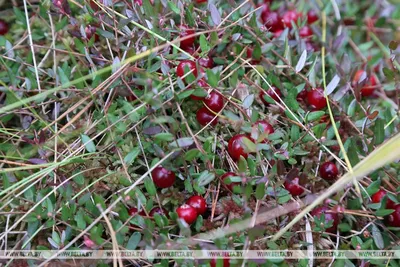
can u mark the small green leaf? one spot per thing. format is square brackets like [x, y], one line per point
[379, 131]
[384, 212]
[260, 191]
[242, 164]
[150, 187]
[205, 178]
[130, 158]
[164, 137]
[204, 45]
[133, 241]
[315, 115]
[88, 142]
[173, 7]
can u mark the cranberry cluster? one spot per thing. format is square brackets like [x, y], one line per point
[214, 101]
[392, 219]
[277, 20]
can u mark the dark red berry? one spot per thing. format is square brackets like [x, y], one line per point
[199, 203]
[316, 98]
[328, 171]
[230, 185]
[278, 33]
[377, 198]
[158, 210]
[180, 70]
[302, 95]
[312, 16]
[162, 177]
[184, 32]
[201, 1]
[204, 116]
[225, 262]
[187, 213]
[3, 27]
[305, 32]
[214, 101]
[329, 216]
[270, 93]
[236, 146]
[370, 82]
[265, 127]
[271, 19]
[293, 187]
[289, 16]
[189, 49]
[206, 62]
[394, 218]
[132, 211]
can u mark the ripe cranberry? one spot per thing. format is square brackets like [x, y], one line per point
[329, 216]
[189, 49]
[225, 262]
[199, 203]
[293, 187]
[187, 213]
[236, 147]
[305, 32]
[204, 116]
[302, 95]
[270, 93]
[180, 70]
[394, 218]
[3, 27]
[377, 198]
[226, 176]
[370, 83]
[289, 16]
[185, 31]
[316, 98]
[158, 210]
[264, 125]
[133, 211]
[312, 16]
[206, 62]
[214, 101]
[162, 177]
[271, 19]
[201, 1]
[328, 171]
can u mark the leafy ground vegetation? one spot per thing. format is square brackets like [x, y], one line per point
[137, 124]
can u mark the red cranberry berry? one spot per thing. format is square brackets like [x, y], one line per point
[226, 176]
[185, 31]
[302, 95]
[225, 262]
[3, 27]
[329, 216]
[394, 218]
[204, 116]
[180, 70]
[158, 210]
[328, 171]
[271, 19]
[289, 16]
[312, 16]
[305, 32]
[371, 82]
[162, 177]
[201, 1]
[270, 93]
[187, 213]
[206, 62]
[132, 211]
[316, 98]
[214, 101]
[377, 198]
[236, 146]
[199, 203]
[293, 187]
[265, 127]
